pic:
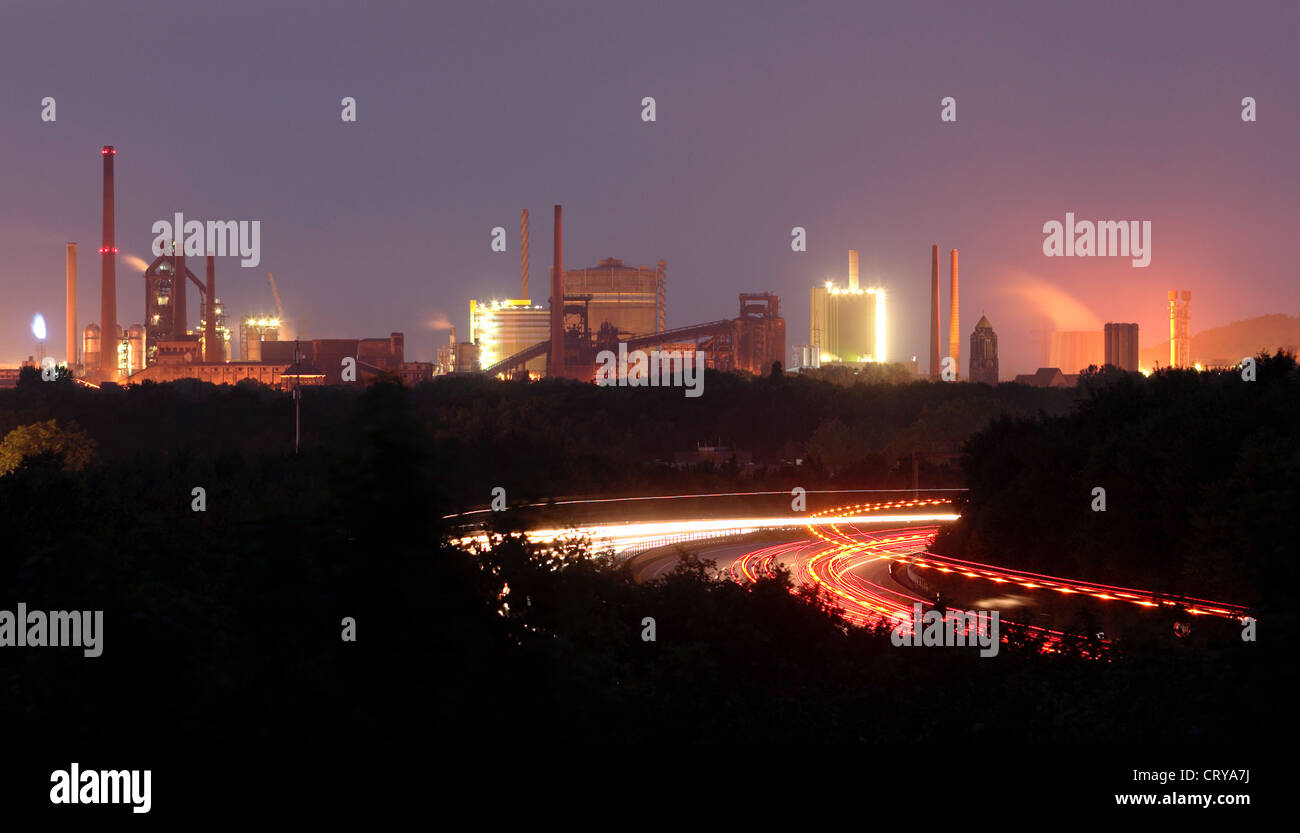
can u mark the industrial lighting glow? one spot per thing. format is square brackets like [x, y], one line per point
[880, 324]
[38, 327]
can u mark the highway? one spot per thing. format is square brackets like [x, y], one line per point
[871, 559]
[874, 570]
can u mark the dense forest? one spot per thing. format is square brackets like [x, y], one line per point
[546, 439]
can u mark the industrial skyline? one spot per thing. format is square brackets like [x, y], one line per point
[384, 224]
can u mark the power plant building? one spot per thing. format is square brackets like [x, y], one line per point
[1122, 346]
[629, 299]
[504, 328]
[847, 324]
[983, 368]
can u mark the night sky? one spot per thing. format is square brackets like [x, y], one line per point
[770, 115]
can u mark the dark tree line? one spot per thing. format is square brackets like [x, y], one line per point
[226, 624]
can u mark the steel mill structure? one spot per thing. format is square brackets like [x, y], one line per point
[164, 349]
[590, 310]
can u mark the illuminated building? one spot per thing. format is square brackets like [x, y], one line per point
[229, 373]
[1180, 335]
[631, 299]
[501, 329]
[983, 359]
[1122, 346]
[847, 324]
[252, 332]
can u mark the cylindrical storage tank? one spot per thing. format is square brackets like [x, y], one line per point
[136, 337]
[90, 346]
[466, 357]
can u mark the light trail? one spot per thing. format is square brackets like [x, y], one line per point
[834, 557]
[832, 560]
[583, 501]
[628, 536]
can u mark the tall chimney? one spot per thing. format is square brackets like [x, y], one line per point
[523, 255]
[934, 312]
[556, 364]
[179, 287]
[108, 333]
[71, 312]
[853, 270]
[211, 350]
[954, 325]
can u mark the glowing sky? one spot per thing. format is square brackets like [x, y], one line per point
[770, 115]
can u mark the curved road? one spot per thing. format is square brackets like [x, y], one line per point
[864, 571]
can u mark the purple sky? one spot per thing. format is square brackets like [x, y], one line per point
[770, 115]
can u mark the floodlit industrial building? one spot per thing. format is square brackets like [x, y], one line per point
[847, 324]
[504, 328]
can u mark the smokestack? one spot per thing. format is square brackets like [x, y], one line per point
[853, 270]
[556, 364]
[108, 333]
[211, 350]
[954, 325]
[523, 255]
[179, 313]
[934, 312]
[71, 314]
